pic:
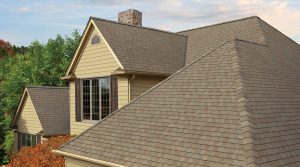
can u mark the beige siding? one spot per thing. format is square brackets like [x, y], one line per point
[96, 60]
[76, 127]
[71, 162]
[29, 121]
[122, 91]
[143, 83]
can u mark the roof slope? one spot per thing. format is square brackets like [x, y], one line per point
[52, 107]
[235, 106]
[203, 40]
[144, 49]
[191, 119]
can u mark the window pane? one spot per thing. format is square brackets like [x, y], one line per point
[28, 140]
[86, 99]
[95, 99]
[33, 139]
[23, 139]
[105, 92]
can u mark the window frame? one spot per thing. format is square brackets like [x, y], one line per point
[28, 137]
[91, 94]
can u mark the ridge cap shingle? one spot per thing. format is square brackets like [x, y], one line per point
[142, 27]
[218, 24]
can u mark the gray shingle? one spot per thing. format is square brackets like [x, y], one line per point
[238, 105]
[144, 49]
[52, 107]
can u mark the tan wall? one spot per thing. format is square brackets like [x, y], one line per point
[96, 60]
[71, 162]
[75, 127]
[143, 83]
[29, 121]
[123, 96]
[79, 127]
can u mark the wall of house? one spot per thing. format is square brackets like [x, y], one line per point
[71, 162]
[29, 121]
[123, 96]
[143, 83]
[96, 60]
[75, 127]
[78, 127]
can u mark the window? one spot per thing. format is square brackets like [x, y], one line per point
[95, 40]
[95, 98]
[28, 139]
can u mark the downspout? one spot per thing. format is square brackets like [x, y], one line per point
[129, 86]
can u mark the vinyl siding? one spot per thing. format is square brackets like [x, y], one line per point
[143, 83]
[96, 60]
[122, 91]
[71, 162]
[75, 127]
[29, 121]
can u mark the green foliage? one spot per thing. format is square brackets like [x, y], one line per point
[38, 65]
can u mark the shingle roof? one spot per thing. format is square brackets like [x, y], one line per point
[52, 107]
[144, 49]
[238, 105]
[203, 40]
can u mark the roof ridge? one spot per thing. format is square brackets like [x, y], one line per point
[148, 28]
[245, 115]
[217, 24]
[250, 42]
[143, 94]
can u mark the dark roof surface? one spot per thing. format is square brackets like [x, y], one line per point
[144, 49]
[237, 105]
[52, 107]
[203, 40]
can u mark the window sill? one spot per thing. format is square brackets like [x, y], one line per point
[90, 121]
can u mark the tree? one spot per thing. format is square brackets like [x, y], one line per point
[41, 155]
[41, 65]
[5, 49]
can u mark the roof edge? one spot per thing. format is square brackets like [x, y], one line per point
[148, 28]
[21, 104]
[92, 160]
[226, 22]
[46, 87]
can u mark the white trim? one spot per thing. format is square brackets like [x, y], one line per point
[78, 48]
[91, 23]
[102, 37]
[92, 160]
[21, 104]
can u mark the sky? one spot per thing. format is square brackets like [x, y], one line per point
[23, 21]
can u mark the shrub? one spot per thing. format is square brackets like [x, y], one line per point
[40, 155]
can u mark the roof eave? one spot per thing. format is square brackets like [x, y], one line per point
[130, 72]
[92, 160]
[70, 77]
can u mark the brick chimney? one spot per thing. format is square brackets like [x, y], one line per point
[130, 16]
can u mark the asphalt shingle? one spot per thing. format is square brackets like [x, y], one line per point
[237, 103]
[52, 107]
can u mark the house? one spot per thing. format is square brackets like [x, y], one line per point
[116, 62]
[235, 101]
[43, 112]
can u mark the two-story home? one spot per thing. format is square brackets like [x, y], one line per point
[116, 62]
[234, 100]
